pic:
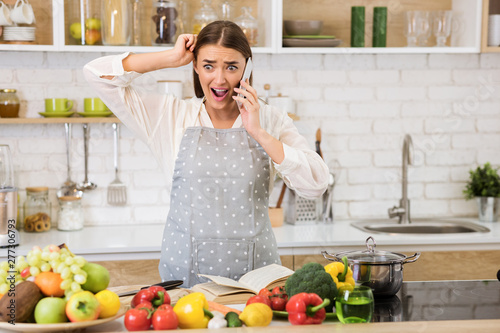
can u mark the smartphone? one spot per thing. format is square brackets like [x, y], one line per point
[246, 75]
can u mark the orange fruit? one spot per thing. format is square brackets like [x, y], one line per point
[50, 284]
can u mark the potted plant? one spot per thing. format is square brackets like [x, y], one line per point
[484, 185]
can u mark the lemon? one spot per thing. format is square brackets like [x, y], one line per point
[256, 314]
[110, 303]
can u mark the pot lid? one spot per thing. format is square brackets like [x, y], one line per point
[371, 255]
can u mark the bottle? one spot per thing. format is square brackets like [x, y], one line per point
[165, 22]
[204, 16]
[137, 14]
[37, 209]
[9, 103]
[249, 25]
[70, 213]
[84, 22]
[116, 27]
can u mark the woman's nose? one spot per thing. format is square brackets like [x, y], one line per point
[220, 77]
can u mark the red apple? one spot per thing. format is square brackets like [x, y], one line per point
[83, 306]
[92, 36]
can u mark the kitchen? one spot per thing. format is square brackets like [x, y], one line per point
[364, 103]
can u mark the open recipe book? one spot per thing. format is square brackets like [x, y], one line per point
[228, 291]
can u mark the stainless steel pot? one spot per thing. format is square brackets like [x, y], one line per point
[380, 270]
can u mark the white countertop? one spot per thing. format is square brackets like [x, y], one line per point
[143, 241]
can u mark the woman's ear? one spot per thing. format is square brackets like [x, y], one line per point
[195, 68]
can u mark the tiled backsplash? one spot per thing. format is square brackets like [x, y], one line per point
[364, 104]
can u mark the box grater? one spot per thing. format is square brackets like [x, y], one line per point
[299, 210]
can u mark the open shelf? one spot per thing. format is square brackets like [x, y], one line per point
[489, 7]
[70, 120]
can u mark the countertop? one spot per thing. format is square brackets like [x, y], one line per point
[143, 241]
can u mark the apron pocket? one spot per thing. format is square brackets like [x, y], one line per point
[223, 257]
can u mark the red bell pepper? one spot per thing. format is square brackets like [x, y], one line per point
[306, 309]
[156, 295]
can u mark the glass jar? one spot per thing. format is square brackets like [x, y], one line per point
[116, 26]
[137, 16]
[37, 210]
[83, 22]
[164, 30]
[204, 16]
[9, 103]
[70, 213]
[249, 25]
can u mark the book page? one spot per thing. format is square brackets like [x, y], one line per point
[217, 289]
[224, 281]
[262, 277]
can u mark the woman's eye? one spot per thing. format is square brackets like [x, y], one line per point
[208, 67]
[232, 68]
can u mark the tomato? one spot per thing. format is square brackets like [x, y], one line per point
[278, 303]
[137, 319]
[278, 291]
[164, 318]
[265, 292]
[259, 299]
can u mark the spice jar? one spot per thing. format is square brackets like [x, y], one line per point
[164, 29]
[249, 25]
[9, 103]
[37, 210]
[70, 213]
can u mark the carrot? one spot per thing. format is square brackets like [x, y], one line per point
[214, 306]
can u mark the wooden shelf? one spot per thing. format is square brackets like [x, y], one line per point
[71, 120]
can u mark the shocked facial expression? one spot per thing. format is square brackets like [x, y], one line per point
[220, 70]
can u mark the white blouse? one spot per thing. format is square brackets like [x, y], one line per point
[160, 121]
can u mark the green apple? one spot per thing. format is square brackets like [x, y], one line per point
[93, 24]
[75, 30]
[83, 306]
[51, 310]
[97, 277]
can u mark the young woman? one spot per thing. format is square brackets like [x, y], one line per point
[226, 157]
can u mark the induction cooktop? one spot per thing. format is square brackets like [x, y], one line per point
[440, 300]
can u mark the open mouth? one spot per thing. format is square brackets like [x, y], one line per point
[219, 94]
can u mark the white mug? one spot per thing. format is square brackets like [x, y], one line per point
[22, 13]
[4, 14]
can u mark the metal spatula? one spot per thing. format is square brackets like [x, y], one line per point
[117, 191]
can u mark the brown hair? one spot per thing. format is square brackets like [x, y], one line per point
[223, 33]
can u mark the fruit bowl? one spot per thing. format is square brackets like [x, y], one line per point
[66, 327]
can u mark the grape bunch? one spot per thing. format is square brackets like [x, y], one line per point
[57, 259]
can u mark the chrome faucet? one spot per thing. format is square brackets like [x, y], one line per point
[403, 211]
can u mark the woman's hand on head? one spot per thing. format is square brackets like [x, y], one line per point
[184, 47]
[249, 108]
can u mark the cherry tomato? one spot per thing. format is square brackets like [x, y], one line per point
[281, 292]
[137, 319]
[164, 318]
[265, 292]
[259, 299]
[278, 303]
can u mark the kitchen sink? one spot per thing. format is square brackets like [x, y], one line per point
[419, 226]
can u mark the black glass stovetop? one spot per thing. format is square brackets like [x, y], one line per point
[440, 300]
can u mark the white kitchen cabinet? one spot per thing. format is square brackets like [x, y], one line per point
[52, 27]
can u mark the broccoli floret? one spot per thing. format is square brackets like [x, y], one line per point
[312, 278]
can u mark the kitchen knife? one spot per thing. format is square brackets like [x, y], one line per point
[167, 285]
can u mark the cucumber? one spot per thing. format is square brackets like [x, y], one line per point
[233, 319]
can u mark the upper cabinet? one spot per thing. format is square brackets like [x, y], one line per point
[57, 23]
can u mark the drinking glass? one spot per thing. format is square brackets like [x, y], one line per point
[441, 26]
[355, 306]
[424, 28]
[410, 31]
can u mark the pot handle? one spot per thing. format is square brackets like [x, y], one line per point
[412, 258]
[330, 257]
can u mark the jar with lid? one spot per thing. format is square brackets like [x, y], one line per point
[37, 210]
[70, 213]
[165, 26]
[9, 103]
[204, 16]
[249, 25]
[83, 22]
[116, 26]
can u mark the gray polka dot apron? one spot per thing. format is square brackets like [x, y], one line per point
[218, 222]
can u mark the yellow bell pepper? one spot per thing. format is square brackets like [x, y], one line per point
[192, 311]
[341, 274]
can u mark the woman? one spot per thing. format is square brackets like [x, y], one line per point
[225, 157]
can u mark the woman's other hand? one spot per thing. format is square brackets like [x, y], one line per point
[249, 108]
[184, 47]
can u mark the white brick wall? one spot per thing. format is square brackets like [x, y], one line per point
[364, 104]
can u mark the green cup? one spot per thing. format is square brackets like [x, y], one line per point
[58, 104]
[94, 104]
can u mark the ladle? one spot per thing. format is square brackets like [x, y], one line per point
[86, 185]
[69, 186]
